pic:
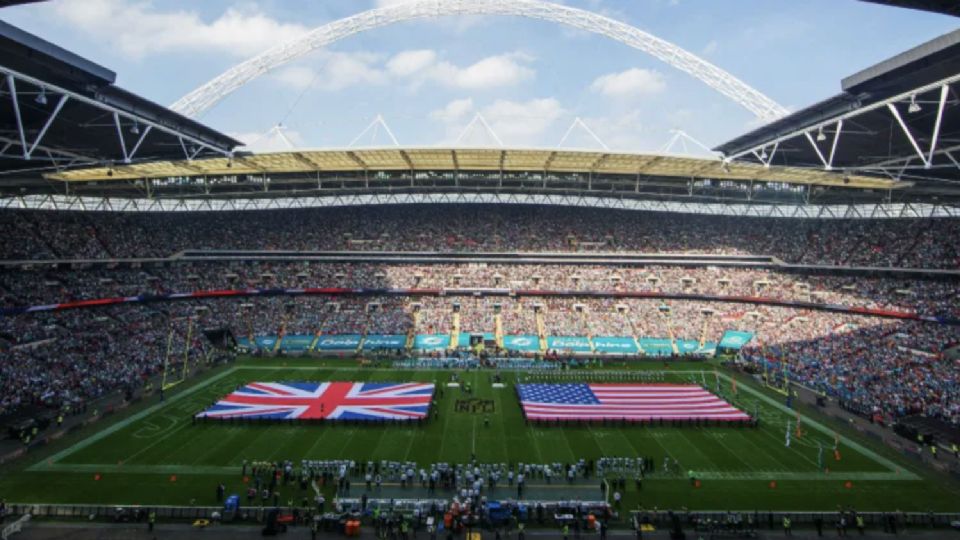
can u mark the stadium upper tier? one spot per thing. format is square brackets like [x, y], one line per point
[39, 235]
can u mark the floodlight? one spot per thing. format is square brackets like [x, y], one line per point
[820, 135]
[914, 106]
[41, 98]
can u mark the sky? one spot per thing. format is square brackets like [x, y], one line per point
[528, 79]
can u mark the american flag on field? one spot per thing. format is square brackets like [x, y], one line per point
[327, 400]
[581, 401]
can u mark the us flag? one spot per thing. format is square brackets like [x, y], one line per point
[581, 401]
[327, 400]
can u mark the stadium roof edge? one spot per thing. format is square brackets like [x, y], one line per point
[946, 7]
[930, 61]
[67, 112]
[926, 63]
[361, 160]
[34, 56]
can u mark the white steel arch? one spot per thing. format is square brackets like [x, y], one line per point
[206, 96]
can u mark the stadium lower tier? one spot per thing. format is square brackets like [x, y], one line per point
[884, 367]
[584, 346]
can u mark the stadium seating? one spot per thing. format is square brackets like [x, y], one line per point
[883, 367]
[45, 235]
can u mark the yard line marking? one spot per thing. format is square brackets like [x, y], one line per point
[534, 439]
[697, 450]
[110, 430]
[410, 434]
[777, 441]
[903, 474]
[764, 448]
[719, 441]
[473, 443]
[447, 415]
[891, 466]
[656, 439]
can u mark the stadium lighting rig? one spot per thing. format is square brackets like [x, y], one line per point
[914, 107]
[41, 98]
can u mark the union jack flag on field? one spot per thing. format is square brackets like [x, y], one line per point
[327, 400]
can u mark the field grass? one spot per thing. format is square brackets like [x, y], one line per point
[156, 455]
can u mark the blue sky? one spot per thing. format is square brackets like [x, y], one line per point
[529, 79]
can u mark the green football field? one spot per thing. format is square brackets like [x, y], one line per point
[154, 454]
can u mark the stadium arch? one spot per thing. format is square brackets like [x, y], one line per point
[209, 94]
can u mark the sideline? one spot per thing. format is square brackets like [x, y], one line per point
[900, 472]
[44, 464]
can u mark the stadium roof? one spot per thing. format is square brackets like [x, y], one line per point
[8, 3]
[899, 119]
[437, 159]
[947, 7]
[61, 110]
[397, 175]
[71, 115]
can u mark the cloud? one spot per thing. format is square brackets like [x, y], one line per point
[493, 71]
[454, 111]
[626, 131]
[710, 48]
[421, 66]
[414, 68]
[350, 69]
[272, 140]
[340, 70]
[632, 82]
[523, 122]
[138, 29]
[515, 122]
[408, 63]
[297, 77]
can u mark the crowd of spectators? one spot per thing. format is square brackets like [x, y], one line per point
[44, 285]
[59, 360]
[884, 367]
[900, 242]
[888, 367]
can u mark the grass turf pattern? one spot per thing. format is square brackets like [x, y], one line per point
[157, 455]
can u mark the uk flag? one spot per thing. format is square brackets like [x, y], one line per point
[327, 400]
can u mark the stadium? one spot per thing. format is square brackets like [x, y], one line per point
[203, 337]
